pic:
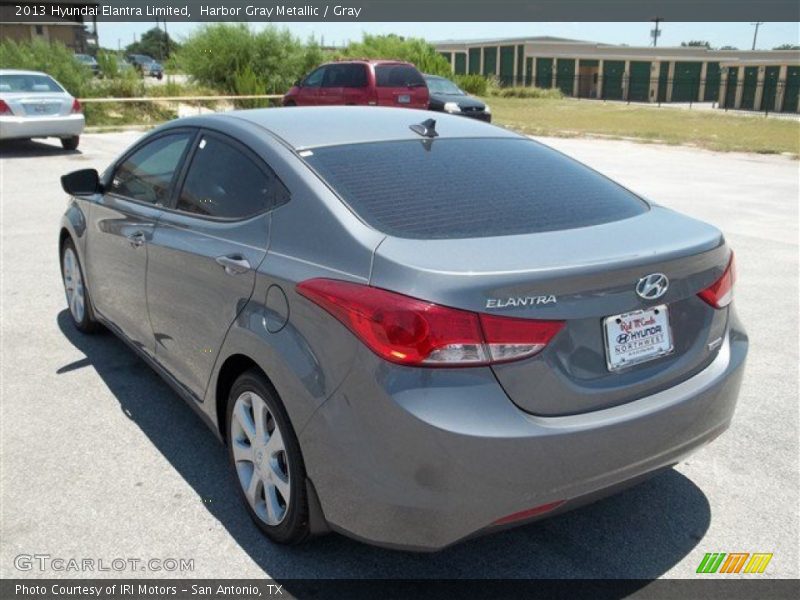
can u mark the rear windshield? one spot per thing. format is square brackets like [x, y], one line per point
[28, 83]
[476, 187]
[398, 76]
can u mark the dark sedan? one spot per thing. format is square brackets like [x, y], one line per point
[447, 97]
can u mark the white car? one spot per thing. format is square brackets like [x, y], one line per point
[34, 105]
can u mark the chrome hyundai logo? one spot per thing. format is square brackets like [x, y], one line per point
[652, 286]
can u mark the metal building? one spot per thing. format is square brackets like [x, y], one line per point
[755, 80]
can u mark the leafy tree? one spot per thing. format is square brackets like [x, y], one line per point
[787, 47]
[414, 50]
[54, 59]
[155, 43]
[729, 48]
[230, 58]
[697, 44]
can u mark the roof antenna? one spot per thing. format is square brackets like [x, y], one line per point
[427, 128]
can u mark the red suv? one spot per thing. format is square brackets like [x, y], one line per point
[370, 82]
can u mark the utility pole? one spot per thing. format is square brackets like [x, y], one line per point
[654, 33]
[755, 33]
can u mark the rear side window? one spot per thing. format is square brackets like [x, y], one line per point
[345, 75]
[477, 187]
[398, 76]
[146, 175]
[226, 183]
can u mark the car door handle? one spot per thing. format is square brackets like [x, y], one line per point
[234, 264]
[136, 239]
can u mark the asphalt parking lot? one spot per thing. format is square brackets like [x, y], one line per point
[101, 460]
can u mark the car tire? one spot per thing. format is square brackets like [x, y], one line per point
[267, 467]
[290, 103]
[71, 143]
[78, 301]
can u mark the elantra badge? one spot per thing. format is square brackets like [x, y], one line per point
[520, 301]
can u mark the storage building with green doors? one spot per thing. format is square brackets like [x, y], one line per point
[633, 74]
[762, 85]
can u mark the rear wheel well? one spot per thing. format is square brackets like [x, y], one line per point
[233, 366]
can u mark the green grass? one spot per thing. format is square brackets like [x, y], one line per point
[713, 130]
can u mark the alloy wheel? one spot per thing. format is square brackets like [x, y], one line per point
[73, 286]
[260, 457]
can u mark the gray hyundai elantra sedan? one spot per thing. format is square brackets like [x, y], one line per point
[406, 326]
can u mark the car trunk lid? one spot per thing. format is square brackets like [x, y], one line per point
[581, 276]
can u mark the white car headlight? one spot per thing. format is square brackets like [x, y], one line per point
[451, 107]
[487, 110]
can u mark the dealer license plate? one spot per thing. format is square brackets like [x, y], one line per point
[404, 99]
[636, 337]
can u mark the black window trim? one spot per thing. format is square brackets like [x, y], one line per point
[259, 162]
[192, 131]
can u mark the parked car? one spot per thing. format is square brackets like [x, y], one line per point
[361, 82]
[447, 97]
[147, 66]
[409, 327]
[34, 105]
[89, 61]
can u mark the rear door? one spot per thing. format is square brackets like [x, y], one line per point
[400, 84]
[356, 91]
[205, 252]
[121, 226]
[333, 85]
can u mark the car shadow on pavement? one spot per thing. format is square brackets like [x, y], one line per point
[32, 149]
[638, 534]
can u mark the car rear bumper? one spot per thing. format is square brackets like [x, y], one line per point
[420, 459]
[26, 127]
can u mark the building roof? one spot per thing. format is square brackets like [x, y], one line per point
[565, 48]
[518, 40]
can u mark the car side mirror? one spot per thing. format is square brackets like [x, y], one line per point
[298, 83]
[81, 183]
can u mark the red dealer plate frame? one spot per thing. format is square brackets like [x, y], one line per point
[637, 337]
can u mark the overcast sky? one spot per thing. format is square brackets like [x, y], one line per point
[739, 35]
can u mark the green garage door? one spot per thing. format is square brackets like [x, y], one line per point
[461, 63]
[792, 89]
[639, 82]
[544, 72]
[507, 65]
[490, 61]
[770, 88]
[686, 82]
[749, 88]
[613, 71]
[730, 90]
[663, 81]
[520, 63]
[565, 75]
[711, 93]
[529, 71]
[475, 61]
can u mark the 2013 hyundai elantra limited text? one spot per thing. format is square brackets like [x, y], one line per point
[408, 327]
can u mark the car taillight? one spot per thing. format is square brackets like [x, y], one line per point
[76, 106]
[410, 331]
[720, 293]
[4, 108]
